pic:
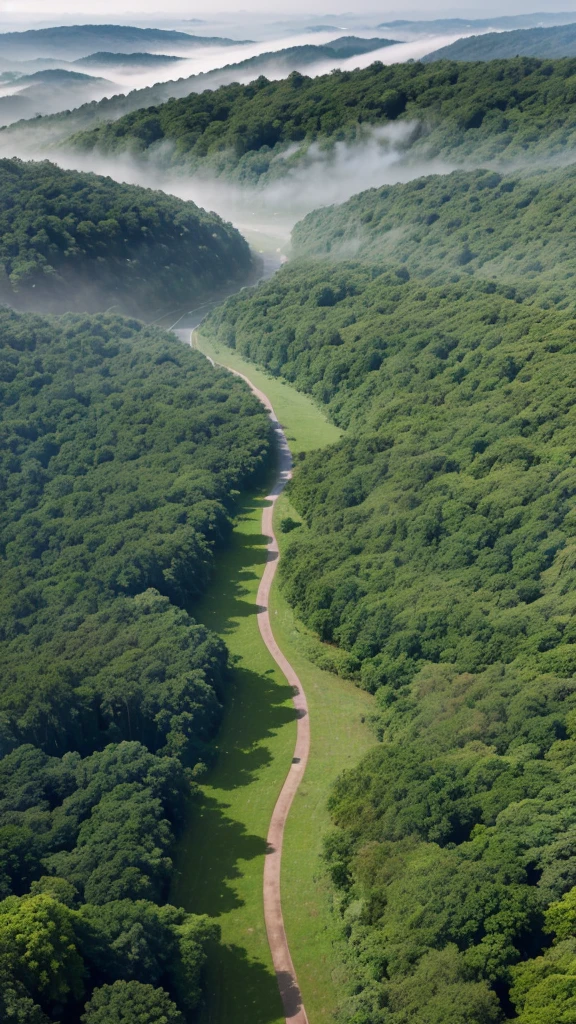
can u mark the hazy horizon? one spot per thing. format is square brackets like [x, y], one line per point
[33, 12]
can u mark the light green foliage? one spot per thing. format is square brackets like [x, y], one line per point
[38, 942]
[131, 1002]
[84, 242]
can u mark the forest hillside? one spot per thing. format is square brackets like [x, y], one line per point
[76, 241]
[436, 553]
[50, 129]
[515, 228]
[257, 132]
[122, 453]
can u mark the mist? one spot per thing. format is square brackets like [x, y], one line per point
[209, 59]
[312, 178]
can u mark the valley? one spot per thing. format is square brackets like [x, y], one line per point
[288, 706]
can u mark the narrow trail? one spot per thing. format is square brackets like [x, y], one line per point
[290, 994]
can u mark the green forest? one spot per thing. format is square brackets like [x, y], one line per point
[75, 241]
[436, 553]
[432, 560]
[520, 229]
[122, 456]
[53, 127]
[493, 110]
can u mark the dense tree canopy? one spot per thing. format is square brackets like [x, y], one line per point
[461, 110]
[122, 454]
[436, 555]
[72, 241]
[516, 228]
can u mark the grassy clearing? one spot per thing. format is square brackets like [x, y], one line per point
[222, 855]
[220, 860]
[339, 739]
[305, 423]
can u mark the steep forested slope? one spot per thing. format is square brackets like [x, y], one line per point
[559, 41]
[71, 241]
[121, 455]
[437, 554]
[517, 228]
[483, 110]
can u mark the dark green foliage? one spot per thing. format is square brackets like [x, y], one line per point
[122, 454]
[483, 110]
[121, 450]
[544, 989]
[288, 524]
[138, 941]
[437, 551]
[82, 242]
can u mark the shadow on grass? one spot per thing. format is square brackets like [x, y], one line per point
[214, 844]
[256, 708]
[214, 854]
[238, 568]
[247, 993]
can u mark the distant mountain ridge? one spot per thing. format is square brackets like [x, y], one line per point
[273, 65]
[48, 90]
[140, 60]
[60, 76]
[556, 42]
[72, 41]
[512, 21]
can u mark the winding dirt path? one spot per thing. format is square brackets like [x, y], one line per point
[286, 975]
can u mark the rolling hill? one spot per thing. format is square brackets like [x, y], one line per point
[50, 90]
[72, 41]
[74, 241]
[547, 43]
[274, 64]
[504, 23]
[455, 110]
[127, 60]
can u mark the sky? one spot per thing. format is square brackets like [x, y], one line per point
[49, 10]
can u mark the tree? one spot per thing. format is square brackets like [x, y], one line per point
[130, 1002]
[38, 944]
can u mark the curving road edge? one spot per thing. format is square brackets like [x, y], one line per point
[290, 994]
